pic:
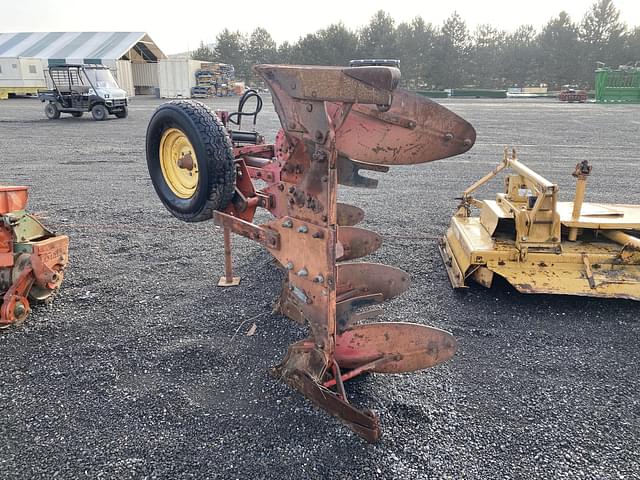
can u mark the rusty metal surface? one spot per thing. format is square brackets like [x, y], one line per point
[337, 84]
[13, 199]
[32, 260]
[357, 242]
[363, 422]
[349, 173]
[407, 347]
[349, 215]
[267, 237]
[337, 122]
[414, 130]
[355, 279]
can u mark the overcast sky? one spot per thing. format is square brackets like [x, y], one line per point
[177, 26]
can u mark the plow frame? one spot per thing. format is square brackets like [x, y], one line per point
[336, 122]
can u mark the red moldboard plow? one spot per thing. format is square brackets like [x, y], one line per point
[335, 122]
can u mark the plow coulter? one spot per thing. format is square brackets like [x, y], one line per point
[336, 123]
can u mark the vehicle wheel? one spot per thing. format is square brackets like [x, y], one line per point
[124, 113]
[76, 114]
[190, 160]
[99, 112]
[51, 111]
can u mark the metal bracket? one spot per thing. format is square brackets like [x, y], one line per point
[264, 236]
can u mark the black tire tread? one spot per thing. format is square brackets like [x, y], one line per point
[219, 158]
[103, 109]
[55, 107]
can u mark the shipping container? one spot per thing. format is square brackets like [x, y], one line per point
[534, 90]
[177, 76]
[145, 77]
[124, 76]
[21, 76]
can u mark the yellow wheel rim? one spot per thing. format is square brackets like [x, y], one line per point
[178, 163]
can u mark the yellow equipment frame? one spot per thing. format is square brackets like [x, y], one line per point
[541, 245]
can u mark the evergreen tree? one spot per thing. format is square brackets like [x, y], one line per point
[602, 33]
[560, 52]
[377, 39]
[204, 53]
[520, 58]
[486, 56]
[414, 43]
[231, 47]
[451, 53]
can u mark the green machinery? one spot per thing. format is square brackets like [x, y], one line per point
[620, 85]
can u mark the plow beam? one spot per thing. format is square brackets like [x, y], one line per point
[336, 122]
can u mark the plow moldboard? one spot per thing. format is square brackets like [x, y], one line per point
[409, 346]
[414, 130]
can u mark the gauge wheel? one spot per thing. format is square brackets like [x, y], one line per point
[51, 111]
[190, 160]
[99, 112]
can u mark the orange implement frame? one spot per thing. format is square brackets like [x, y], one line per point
[336, 122]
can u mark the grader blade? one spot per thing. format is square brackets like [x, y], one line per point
[32, 258]
[335, 122]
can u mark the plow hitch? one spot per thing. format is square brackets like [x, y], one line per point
[336, 122]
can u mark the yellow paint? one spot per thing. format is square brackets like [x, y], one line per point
[175, 146]
[520, 239]
[5, 91]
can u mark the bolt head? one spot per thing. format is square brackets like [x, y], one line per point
[19, 310]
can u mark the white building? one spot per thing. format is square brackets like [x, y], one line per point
[132, 56]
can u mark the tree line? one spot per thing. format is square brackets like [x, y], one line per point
[563, 52]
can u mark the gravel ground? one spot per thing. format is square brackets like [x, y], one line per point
[141, 367]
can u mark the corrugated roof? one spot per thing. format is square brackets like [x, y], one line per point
[73, 45]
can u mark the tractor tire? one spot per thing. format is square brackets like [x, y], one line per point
[76, 114]
[190, 160]
[51, 111]
[99, 112]
[124, 113]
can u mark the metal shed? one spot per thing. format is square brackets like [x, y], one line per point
[132, 56]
